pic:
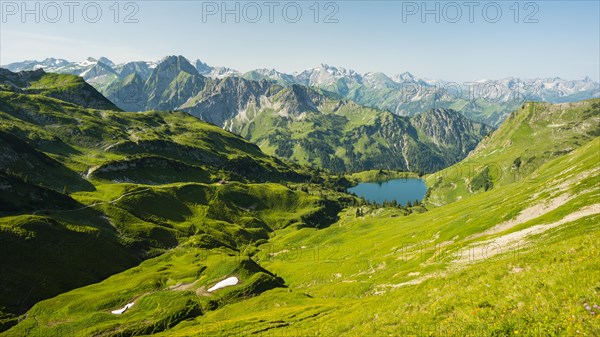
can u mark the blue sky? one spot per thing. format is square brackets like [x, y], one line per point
[386, 36]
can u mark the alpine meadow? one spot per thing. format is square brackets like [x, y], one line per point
[259, 191]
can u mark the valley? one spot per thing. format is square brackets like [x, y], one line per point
[177, 220]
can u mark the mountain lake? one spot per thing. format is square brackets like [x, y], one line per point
[402, 190]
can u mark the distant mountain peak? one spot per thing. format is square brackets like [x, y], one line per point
[404, 77]
[106, 61]
[336, 70]
[179, 62]
[54, 62]
[202, 67]
[269, 71]
[174, 58]
[222, 72]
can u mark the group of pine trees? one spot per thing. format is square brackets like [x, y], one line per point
[370, 206]
[394, 203]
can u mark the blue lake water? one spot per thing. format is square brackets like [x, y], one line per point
[401, 190]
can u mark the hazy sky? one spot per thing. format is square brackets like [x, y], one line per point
[551, 38]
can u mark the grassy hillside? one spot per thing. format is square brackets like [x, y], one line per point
[84, 138]
[518, 260]
[87, 193]
[531, 136]
[463, 269]
[150, 212]
[69, 88]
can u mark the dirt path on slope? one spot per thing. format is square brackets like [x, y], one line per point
[91, 205]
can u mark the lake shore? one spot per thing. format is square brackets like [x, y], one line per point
[375, 176]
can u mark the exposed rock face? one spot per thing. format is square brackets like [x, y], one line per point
[222, 100]
[449, 128]
[339, 135]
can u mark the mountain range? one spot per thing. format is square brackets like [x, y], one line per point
[487, 101]
[311, 127]
[306, 124]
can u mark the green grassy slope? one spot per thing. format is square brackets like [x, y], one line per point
[531, 136]
[516, 260]
[87, 193]
[84, 138]
[148, 222]
[432, 274]
[65, 87]
[76, 245]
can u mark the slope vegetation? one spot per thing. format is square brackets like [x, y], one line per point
[86, 193]
[517, 260]
[531, 136]
[166, 225]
